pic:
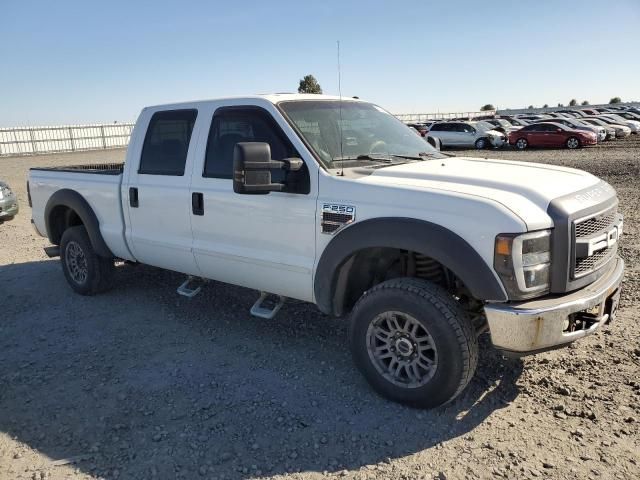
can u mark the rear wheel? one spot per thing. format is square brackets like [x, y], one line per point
[573, 143]
[86, 272]
[522, 143]
[413, 342]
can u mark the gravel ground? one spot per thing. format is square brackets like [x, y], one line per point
[142, 383]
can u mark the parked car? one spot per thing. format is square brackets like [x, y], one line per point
[517, 122]
[551, 135]
[420, 252]
[573, 113]
[421, 128]
[578, 125]
[501, 125]
[634, 125]
[629, 115]
[8, 203]
[467, 135]
[609, 130]
[533, 118]
[621, 130]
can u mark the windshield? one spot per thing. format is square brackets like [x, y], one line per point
[355, 130]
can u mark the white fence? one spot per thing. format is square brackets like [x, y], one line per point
[425, 117]
[68, 138]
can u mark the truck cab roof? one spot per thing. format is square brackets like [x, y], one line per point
[273, 98]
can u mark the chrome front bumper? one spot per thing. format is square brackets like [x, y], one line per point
[542, 324]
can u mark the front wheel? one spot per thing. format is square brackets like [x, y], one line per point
[522, 143]
[481, 143]
[86, 272]
[573, 143]
[413, 343]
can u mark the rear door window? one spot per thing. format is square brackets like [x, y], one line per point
[167, 142]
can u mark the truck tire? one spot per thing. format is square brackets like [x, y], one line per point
[86, 272]
[413, 343]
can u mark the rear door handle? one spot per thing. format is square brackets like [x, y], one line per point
[133, 197]
[197, 203]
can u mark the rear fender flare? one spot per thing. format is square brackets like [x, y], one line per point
[76, 202]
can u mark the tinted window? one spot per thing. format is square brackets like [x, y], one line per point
[167, 142]
[531, 128]
[437, 127]
[234, 125]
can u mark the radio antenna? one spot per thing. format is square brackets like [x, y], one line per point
[340, 110]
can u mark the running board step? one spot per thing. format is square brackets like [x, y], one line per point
[267, 306]
[186, 289]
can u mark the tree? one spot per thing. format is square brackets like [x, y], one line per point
[530, 107]
[573, 102]
[546, 105]
[615, 100]
[560, 105]
[309, 84]
[584, 102]
[486, 107]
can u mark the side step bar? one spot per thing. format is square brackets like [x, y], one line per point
[52, 251]
[267, 305]
[187, 290]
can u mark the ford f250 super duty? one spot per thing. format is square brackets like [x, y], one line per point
[336, 202]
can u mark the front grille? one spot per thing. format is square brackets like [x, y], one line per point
[595, 224]
[593, 227]
[595, 261]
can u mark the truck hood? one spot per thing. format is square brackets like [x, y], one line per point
[524, 188]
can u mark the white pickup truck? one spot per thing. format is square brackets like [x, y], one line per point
[336, 202]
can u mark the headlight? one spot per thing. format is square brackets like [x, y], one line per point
[523, 262]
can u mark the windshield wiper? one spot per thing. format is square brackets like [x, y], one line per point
[374, 158]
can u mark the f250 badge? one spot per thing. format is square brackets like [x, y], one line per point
[335, 216]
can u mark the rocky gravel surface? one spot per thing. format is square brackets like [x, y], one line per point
[140, 383]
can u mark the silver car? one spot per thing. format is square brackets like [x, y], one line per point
[621, 130]
[467, 135]
[8, 203]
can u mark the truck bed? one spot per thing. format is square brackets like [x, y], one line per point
[97, 168]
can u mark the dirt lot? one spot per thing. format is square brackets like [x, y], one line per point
[141, 383]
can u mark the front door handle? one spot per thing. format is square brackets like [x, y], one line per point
[133, 197]
[197, 203]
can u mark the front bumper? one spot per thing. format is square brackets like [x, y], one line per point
[8, 208]
[536, 325]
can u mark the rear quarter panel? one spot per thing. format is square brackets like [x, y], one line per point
[102, 192]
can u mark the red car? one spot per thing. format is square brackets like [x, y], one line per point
[551, 135]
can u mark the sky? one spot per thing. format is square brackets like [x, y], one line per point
[73, 62]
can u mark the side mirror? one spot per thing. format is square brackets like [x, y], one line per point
[559, 130]
[252, 166]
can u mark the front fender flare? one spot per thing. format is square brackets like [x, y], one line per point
[77, 203]
[420, 236]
